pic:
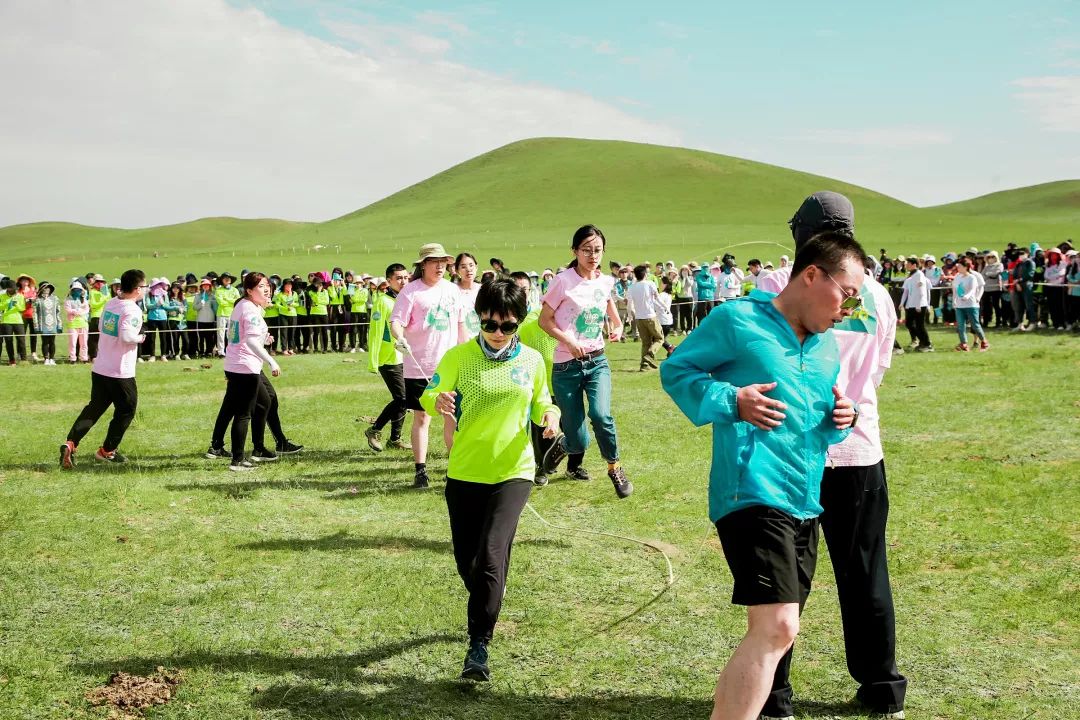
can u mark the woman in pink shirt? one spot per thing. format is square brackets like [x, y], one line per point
[574, 311]
[465, 267]
[425, 323]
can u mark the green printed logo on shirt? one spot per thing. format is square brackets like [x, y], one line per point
[472, 322]
[588, 323]
[521, 376]
[234, 332]
[434, 382]
[438, 318]
[110, 324]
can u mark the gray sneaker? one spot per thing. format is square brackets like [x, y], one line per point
[374, 439]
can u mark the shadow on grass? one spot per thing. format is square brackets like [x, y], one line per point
[344, 541]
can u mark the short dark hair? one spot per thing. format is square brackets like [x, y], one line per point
[519, 275]
[393, 268]
[828, 250]
[753, 261]
[504, 298]
[640, 271]
[131, 279]
[6, 283]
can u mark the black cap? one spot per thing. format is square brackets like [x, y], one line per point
[824, 210]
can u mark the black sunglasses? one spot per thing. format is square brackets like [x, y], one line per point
[507, 327]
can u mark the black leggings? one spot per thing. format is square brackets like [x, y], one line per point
[28, 329]
[916, 325]
[319, 334]
[122, 394]
[207, 337]
[286, 330]
[253, 399]
[483, 521]
[395, 410]
[336, 318]
[48, 347]
[154, 328]
[13, 336]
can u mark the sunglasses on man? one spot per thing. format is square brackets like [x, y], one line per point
[507, 327]
[850, 302]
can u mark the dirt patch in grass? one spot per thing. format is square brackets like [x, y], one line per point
[129, 695]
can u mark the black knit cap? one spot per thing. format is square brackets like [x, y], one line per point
[824, 210]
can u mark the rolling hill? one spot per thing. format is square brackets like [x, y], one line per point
[523, 201]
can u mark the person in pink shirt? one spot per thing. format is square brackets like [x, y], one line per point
[112, 380]
[854, 493]
[465, 267]
[574, 311]
[427, 321]
[245, 355]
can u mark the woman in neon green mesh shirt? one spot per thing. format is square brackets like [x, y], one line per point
[495, 386]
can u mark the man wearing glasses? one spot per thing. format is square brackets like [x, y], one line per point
[112, 381]
[854, 492]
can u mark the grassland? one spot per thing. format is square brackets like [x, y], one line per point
[523, 201]
[322, 587]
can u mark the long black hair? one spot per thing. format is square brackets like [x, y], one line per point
[585, 232]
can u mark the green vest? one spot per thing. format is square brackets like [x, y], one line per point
[335, 294]
[320, 300]
[13, 307]
[97, 303]
[190, 313]
[381, 350]
[286, 304]
[227, 298]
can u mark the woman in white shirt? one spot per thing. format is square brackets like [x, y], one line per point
[967, 291]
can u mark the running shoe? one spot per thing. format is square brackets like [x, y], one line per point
[578, 473]
[67, 455]
[554, 455]
[110, 457]
[264, 455]
[962, 347]
[925, 348]
[540, 479]
[623, 486]
[984, 346]
[288, 448]
[476, 662]
[214, 453]
[398, 444]
[374, 439]
[242, 466]
[422, 481]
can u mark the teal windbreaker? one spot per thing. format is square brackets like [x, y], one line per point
[743, 342]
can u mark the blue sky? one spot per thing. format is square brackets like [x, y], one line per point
[788, 82]
[134, 114]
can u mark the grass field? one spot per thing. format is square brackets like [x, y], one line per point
[322, 587]
[522, 202]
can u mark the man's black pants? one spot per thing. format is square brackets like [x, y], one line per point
[856, 510]
[122, 394]
[483, 520]
[395, 410]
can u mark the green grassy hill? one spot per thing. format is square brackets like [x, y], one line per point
[1054, 202]
[522, 202]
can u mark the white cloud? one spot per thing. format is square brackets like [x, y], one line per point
[151, 112]
[604, 47]
[887, 137]
[444, 20]
[1053, 99]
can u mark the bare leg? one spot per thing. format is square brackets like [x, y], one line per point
[421, 422]
[745, 683]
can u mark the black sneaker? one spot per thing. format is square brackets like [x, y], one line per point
[242, 466]
[578, 473]
[288, 448]
[374, 439]
[623, 486]
[540, 479]
[476, 667]
[67, 455]
[554, 455]
[214, 453]
[264, 455]
[422, 480]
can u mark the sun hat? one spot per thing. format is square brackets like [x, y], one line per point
[206, 281]
[768, 264]
[972, 251]
[227, 274]
[433, 250]
[46, 284]
[116, 281]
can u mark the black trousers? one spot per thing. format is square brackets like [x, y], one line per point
[1055, 304]
[273, 325]
[172, 343]
[483, 521]
[158, 329]
[286, 331]
[360, 325]
[191, 339]
[12, 336]
[302, 334]
[337, 318]
[91, 338]
[48, 347]
[122, 394]
[1072, 306]
[684, 321]
[207, 337]
[702, 309]
[28, 329]
[916, 325]
[319, 334]
[262, 413]
[856, 510]
[238, 407]
[395, 410]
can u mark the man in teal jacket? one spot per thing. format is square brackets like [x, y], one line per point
[762, 371]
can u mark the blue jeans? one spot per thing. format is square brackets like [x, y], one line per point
[963, 317]
[573, 382]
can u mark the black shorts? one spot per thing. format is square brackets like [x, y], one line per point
[414, 388]
[772, 555]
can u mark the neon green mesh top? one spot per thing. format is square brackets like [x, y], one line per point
[496, 401]
[532, 335]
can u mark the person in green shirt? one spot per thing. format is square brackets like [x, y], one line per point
[532, 336]
[98, 296]
[272, 314]
[318, 310]
[494, 386]
[286, 301]
[336, 319]
[302, 332]
[12, 306]
[191, 320]
[358, 302]
[385, 359]
[226, 296]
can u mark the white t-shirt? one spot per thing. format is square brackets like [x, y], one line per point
[643, 296]
[468, 309]
[430, 316]
[916, 292]
[663, 309]
[729, 284]
[118, 344]
[968, 290]
[580, 306]
[245, 323]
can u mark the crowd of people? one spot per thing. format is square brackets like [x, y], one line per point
[514, 363]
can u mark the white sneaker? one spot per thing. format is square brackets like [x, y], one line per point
[1040, 325]
[1026, 328]
[352, 351]
[33, 357]
[164, 359]
[153, 359]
